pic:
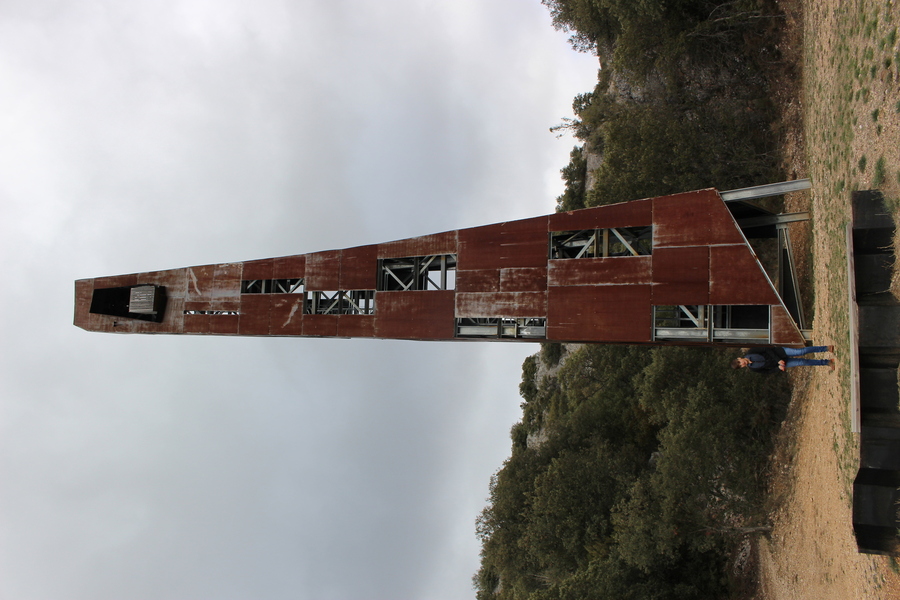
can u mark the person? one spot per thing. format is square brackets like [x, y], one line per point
[770, 360]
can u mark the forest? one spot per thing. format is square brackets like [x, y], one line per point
[636, 471]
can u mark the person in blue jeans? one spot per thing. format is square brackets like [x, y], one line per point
[771, 360]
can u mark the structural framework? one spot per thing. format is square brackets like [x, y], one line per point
[669, 270]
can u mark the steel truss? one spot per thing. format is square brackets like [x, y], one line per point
[711, 323]
[601, 243]
[340, 302]
[435, 272]
[502, 327]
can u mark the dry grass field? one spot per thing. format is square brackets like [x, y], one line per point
[842, 130]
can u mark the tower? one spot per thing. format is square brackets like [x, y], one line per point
[668, 270]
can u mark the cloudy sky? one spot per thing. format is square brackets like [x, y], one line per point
[149, 135]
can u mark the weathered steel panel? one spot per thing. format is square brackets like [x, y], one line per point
[426, 245]
[606, 313]
[320, 325]
[323, 270]
[196, 324]
[526, 279]
[415, 315]
[229, 271]
[116, 281]
[736, 277]
[682, 219]
[784, 330]
[259, 269]
[84, 292]
[681, 275]
[522, 243]
[626, 214]
[502, 304]
[723, 228]
[359, 268]
[479, 280]
[618, 270]
[356, 326]
[290, 267]
[286, 314]
[224, 324]
[254, 314]
[199, 283]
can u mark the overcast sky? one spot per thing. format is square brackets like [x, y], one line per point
[151, 135]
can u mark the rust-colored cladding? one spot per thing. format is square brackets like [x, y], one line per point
[416, 315]
[323, 271]
[737, 278]
[359, 268]
[525, 279]
[602, 313]
[478, 280]
[286, 314]
[508, 304]
[619, 270]
[699, 257]
[504, 245]
[637, 213]
[426, 245]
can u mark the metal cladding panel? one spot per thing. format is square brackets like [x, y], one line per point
[175, 281]
[286, 314]
[356, 326]
[502, 304]
[115, 281]
[320, 325]
[526, 279]
[479, 280]
[254, 317]
[84, 292]
[693, 219]
[196, 323]
[259, 269]
[426, 245]
[681, 275]
[224, 324]
[426, 315]
[323, 270]
[736, 277]
[290, 267]
[604, 313]
[626, 214]
[784, 330]
[601, 271]
[199, 284]
[359, 268]
[522, 243]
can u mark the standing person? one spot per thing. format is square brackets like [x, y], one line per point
[769, 360]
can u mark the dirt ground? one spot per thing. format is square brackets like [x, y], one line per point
[841, 128]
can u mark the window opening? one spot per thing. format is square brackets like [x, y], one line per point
[340, 302]
[602, 243]
[435, 272]
[712, 323]
[502, 327]
[272, 286]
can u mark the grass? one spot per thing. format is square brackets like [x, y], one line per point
[878, 178]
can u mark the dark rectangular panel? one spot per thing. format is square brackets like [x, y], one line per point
[522, 243]
[605, 313]
[356, 326]
[736, 277]
[254, 314]
[359, 268]
[600, 271]
[320, 325]
[784, 330]
[502, 304]
[425, 245]
[259, 269]
[323, 270]
[480, 280]
[525, 279]
[626, 214]
[286, 314]
[427, 315]
[290, 267]
[681, 275]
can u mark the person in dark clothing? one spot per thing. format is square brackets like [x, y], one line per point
[771, 360]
